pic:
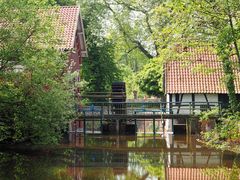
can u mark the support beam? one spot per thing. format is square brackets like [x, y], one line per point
[179, 104]
[208, 105]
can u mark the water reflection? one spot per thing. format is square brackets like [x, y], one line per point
[121, 157]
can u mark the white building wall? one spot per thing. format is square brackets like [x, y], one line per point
[186, 106]
[186, 103]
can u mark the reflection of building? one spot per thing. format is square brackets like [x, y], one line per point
[175, 157]
[185, 151]
[90, 156]
[76, 140]
[192, 174]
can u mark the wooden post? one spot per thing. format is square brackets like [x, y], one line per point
[117, 126]
[144, 128]
[101, 120]
[93, 124]
[190, 108]
[135, 124]
[84, 126]
[154, 132]
[187, 127]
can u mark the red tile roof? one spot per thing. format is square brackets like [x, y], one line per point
[69, 28]
[199, 72]
[69, 17]
[66, 25]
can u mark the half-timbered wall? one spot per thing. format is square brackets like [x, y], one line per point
[181, 102]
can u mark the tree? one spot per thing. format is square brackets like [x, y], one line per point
[135, 28]
[35, 95]
[150, 78]
[99, 70]
[134, 20]
[131, 30]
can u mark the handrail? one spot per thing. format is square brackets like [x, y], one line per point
[174, 103]
[148, 107]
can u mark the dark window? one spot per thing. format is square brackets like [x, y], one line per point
[238, 97]
[177, 99]
[224, 100]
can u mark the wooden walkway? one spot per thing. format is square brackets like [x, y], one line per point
[143, 111]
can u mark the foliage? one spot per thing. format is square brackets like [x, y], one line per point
[130, 78]
[150, 78]
[35, 96]
[208, 115]
[19, 166]
[153, 166]
[139, 24]
[143, 30]
[63, 2]
[137, 29]
[99, 69]
[230, 174]
[226, 135]
[134, 28]
[230, 126]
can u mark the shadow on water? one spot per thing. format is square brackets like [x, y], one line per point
[120, 157]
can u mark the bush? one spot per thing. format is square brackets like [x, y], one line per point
[36, 100]
[226, 134]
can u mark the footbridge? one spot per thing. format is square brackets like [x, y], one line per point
[134, 115]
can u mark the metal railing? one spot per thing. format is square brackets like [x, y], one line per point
[135, 108]
[98, 112]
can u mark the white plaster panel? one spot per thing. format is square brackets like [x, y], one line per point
[187, 98]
